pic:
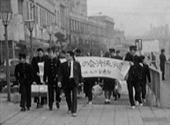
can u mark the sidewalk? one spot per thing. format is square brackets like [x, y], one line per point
[116, 113]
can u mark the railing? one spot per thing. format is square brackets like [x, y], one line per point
[167, 70]
[155, 84]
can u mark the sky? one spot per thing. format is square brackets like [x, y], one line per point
[133, 16]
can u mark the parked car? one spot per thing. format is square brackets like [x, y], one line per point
[12, 64]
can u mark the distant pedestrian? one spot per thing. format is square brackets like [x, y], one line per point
[162, 58]
[117, 56]
[24, 76]
[69, 78]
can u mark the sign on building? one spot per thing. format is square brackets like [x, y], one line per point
[138, 43]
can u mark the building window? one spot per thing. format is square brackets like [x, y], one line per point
[20, 6]
[28, 11]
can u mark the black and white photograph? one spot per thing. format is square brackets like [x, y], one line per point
[84, 62]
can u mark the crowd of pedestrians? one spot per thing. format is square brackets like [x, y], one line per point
[66, 78]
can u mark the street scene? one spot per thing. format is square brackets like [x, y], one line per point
[84, 62]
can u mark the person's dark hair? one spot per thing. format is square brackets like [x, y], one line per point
[162, 50]
[52, 49]
[106, 54]
[117, 51]
[132, 48]
[111, 50]
[71, 53]
[40, 49]
[142, 57]
[22, 56]
[78, 51]
[63, 51]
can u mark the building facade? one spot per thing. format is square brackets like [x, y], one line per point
[53, 18]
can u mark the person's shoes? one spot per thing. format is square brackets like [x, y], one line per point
[74, 114]
[116, 98]
[132, 107]
[144, 100]
[141, 104]
[119, 95]
[57, 105]
[68, 112]
[38, 106]
[28, 108]
[50, 108]
[90, 102]
[23, 109]
[137, 103]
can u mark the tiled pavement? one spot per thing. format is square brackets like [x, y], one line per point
[117, 113]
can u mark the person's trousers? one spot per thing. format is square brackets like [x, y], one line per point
[132, 84]
[163, 72]
[71, 96]
[50, 95]
[143, 89]
[58, 92]
[39, 100]
[25, 96]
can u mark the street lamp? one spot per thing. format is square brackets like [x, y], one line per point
[30, 25]
[6, 15]
[50, 31]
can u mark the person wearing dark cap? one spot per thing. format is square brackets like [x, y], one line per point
[117, 56]
[51, 67]
[162, 58]
[69, 78]
[35, 61]
[133, 76]
[24, 76]
[145, 75]
[77, 52]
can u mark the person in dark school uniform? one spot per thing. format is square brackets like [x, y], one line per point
[51, 67]
[34, 63]
[69, 78]
[145, 76]
[24, 76]
[162, 58]
[133, 76]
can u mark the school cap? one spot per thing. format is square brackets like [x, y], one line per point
[111, 50]
[133, 48]
[22, 55]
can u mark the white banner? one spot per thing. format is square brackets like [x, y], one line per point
[103, 67]
[99, 67]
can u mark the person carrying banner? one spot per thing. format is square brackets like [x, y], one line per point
[51, 67]
[70, 77]
[133, 76]
[24, 75]
[39, 58]
[116, 93]
[109, 83]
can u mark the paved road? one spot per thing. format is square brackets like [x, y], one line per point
[117, 113]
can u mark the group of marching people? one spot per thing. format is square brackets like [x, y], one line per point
[66, 77]
[57, 76]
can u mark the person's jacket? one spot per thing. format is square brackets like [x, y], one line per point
[23, 72]
[135, 70]
[63, 75]
[51, 67]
